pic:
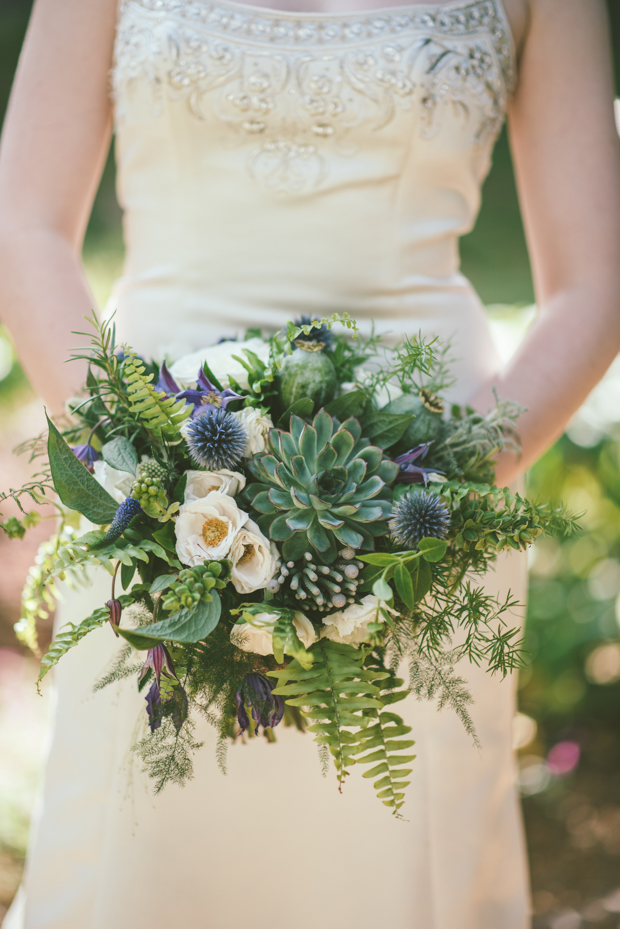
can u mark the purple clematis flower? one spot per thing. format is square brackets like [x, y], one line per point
[166, 383]
[206, 397]
[159, 661]
[411, 473]
[87, 455]
[267, 709]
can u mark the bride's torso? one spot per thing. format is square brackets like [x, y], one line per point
[274, 163]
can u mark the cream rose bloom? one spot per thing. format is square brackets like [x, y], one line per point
[350, 626]
[257, 427]
[220, 360]
[257, 636]
[206, 528]
[254, 559]
[117, 483]
[201, 483]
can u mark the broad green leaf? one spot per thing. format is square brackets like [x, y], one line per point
[384, 429]
[432, 549]
[302, 407]
[75, 485]
[178, 494]
[350, 404]
[161, 582]
[121, 454]
[422, 579]
[127, 574]
[379, 558]
[184, 626]
[404, 585]
[167, 537]
[382, 590]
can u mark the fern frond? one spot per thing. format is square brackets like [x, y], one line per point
[383, 741]
[336, 692]
[160, 414]
[70, 635]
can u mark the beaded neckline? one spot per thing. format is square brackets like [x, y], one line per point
[284, 27]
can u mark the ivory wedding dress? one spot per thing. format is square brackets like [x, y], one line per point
[273, 164]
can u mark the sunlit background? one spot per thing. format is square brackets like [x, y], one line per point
[568, 730]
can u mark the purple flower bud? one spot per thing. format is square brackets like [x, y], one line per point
[159, 660]
[125, 513]
[87, 455]
[114, 615]
[411, 473]
[267, 708]
[166, 383]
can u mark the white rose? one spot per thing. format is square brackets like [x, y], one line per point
[257, 636]
[350, 626]
[257, 427]
[206, 528]
[254, 559]
[117, 483]
[201, 483]
[220, 360]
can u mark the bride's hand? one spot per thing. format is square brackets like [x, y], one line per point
[566, 153]
[54, 144]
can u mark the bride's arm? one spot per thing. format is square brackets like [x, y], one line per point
[566, 154]
[53, 147]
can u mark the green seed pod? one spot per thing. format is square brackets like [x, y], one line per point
[424, 428]
[307, 374]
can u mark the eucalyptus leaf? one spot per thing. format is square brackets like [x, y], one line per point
[432, 549]
[120, 454]
[75, 485]
[184, 626]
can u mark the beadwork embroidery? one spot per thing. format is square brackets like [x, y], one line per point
[294, 87]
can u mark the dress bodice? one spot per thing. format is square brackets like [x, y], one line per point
[272, 164]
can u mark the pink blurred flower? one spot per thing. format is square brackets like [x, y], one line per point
[563, 758]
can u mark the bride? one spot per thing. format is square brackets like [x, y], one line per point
[325, 155]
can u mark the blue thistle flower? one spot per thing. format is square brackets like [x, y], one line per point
[419, 515]
[267, 709]
[125, 513]
[216, 440]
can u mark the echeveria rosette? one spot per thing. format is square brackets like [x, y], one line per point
[320, 487]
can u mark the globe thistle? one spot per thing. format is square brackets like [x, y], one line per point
[419, 515]
[216, 440]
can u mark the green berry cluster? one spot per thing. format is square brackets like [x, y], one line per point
[194, 585]
[149, 493]
[150, 468]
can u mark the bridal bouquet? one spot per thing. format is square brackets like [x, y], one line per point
[284, 520]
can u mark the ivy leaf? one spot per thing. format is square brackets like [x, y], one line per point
[384, 429]
[74, 484]
[184, 626]
[121, 454]
[382, 590]
[404, 585]
[350, 404]
[432, 550]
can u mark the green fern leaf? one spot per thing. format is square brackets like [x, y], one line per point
[381, 742]
[160, 414]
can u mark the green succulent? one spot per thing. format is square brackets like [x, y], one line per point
[321, 486]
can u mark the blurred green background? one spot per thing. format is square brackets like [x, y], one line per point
[568, 730]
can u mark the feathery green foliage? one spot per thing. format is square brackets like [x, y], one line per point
[161, 415]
